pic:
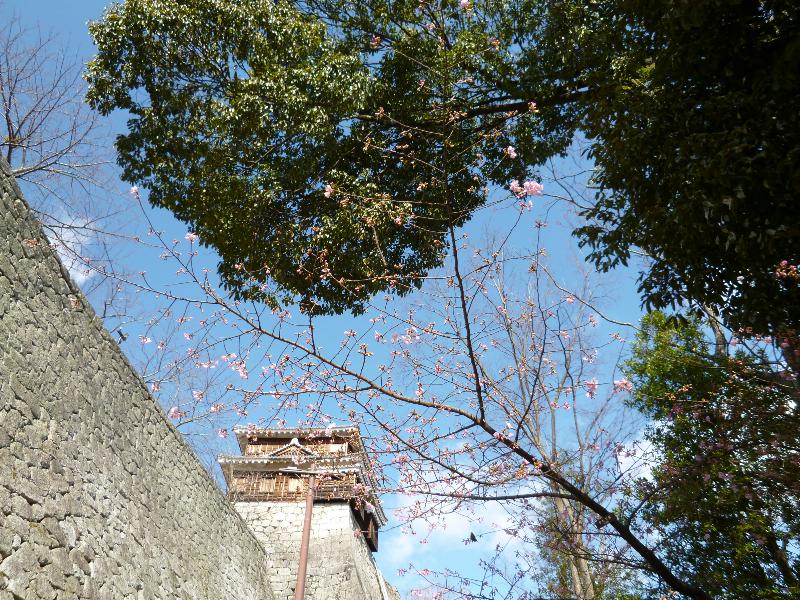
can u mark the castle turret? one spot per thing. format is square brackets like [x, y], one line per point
[269, 486]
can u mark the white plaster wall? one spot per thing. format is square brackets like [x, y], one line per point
[340, 564]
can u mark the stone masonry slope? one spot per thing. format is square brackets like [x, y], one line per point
[100, 497]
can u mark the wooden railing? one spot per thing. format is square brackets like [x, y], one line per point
[256, 486]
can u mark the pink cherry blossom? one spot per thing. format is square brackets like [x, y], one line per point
[198, 395]
[191, 237]
[528, 188]
[222, 432]
[174, 413]
[511, 152]
[240, 367]
[328, 190]
[516, 188]
[533, 188]
[591, 387]
[623, 385]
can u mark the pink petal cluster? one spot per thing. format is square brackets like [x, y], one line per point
[533, 188]
[528, 188]
[623, 385]
[785, 270]
[591, 387]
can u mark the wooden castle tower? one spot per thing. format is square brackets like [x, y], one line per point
[309, 496]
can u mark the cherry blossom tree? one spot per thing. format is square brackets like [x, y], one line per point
[495, 383]
[472, 366]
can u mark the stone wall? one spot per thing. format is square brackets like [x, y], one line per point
[340, 564]
[100, 497]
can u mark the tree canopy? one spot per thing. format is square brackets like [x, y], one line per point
[327, 147]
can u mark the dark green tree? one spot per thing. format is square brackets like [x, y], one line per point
[724, 497]
[243, 113]
[698, 158]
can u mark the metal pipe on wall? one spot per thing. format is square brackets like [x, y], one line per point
[300, 587]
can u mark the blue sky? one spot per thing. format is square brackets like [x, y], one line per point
[444, 548]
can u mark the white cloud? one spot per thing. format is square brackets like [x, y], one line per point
[70, 239]
[397, 549]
